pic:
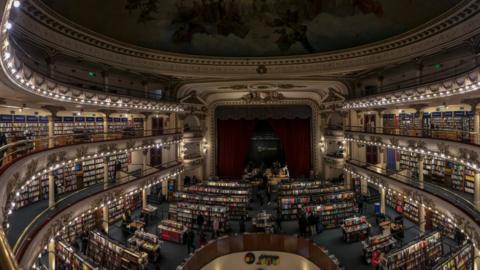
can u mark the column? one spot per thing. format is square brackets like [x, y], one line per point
[51, 253]
[419, 70]
[379, 83]
[421, 160]
[105, 79]
[145, 88]
[381, 157]
[476, 196]
[144, 197]
[364, 186]
[51, 189]
[105, 172]
[179, 182]
[421, 217]
[348, 181]
[105, 223]
[51, 121]
[105, 126]
[476, 126]
[147, 126]
[144, 161]
[382, 200]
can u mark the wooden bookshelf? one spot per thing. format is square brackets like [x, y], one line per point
[418, 254]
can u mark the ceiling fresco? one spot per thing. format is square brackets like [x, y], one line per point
[250, 28]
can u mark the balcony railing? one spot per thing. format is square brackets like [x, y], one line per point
[19, 148]
[16, 150]
[441, 134]
[46, 214]
[462, 201]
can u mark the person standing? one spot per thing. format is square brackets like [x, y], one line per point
[200, 221]
[216, 227]
[190, 241]
[117, 169]
[242, 224]
[311, 223]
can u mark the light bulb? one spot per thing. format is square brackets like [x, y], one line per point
[16, 3]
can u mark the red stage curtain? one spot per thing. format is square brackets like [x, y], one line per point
[233, 144]
[295, 137]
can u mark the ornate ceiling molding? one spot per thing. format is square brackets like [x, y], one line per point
[451, 28]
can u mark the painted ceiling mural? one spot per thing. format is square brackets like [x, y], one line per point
[249, 28]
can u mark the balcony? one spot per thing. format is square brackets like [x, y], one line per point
[461, 201]
[453, 135]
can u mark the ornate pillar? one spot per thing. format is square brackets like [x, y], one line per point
[421, 161]
[419, 66]
[380, 83]
[51, 120]
[51, 253]
[107, 113]
[51, 189]
[105, 172]
[381, 160]
[106, 218]
[146, 124]
[145, 88]
[382, 200]
[348, 181]
[105, 75]
[363, 186]
[421, 217]
[144, 161]
[144, 197]
[476, 196]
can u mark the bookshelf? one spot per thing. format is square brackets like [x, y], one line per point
[289, 205]
[117, 124]
[382, 242]
[441, 223]
[138, 123]
[462, 259]
[237, 204]
[390, 122]
[67, 179]
[186, 213]
[68, 258]
[64, 125]
[418, 254]
[90, 221]
[402, 206]
[111, 255]
[117, 208]
[14, 125]
[217, 190]
[332, 215]
[409, 161]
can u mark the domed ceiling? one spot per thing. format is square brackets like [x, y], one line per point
[250, 28]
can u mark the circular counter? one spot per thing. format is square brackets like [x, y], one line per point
[260, 251]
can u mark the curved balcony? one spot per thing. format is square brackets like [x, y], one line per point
[457, 82]
[458, 138]
[31, 233]
[22, 151]
[460, 200]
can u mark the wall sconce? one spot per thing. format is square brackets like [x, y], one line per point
[204, 145]
[322, 144]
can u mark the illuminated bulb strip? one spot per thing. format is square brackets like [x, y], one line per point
[25, 83]
[375, 102]
[471, 165]
[412, 201]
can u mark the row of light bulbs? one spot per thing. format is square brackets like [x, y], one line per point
[109, 202]
[412, 201]
[83, 158]
[469, 164]
[26, 84]
[374, 102]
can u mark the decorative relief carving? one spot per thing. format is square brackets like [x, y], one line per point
[263, 97]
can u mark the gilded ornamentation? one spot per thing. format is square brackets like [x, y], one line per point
[262, 97]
